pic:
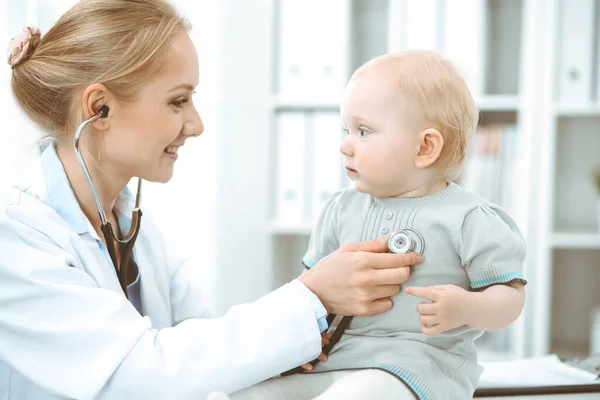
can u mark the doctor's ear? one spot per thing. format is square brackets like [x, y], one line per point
[97, 100]
[430, 143]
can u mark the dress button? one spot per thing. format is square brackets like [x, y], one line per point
[384, 230]
[389, 215]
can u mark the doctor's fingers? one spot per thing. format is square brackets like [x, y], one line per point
[391, 260]
[381, 292]
[373, 246]
[392, 276]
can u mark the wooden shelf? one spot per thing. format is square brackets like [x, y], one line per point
[576, 240]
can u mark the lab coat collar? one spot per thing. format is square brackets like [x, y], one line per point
[48, 182]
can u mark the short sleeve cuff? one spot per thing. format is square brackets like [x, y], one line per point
[483, 279]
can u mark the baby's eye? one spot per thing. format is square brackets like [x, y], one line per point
[364, 132]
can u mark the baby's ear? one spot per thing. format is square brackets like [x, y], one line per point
[431, 143]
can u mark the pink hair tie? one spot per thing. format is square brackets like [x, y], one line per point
[21, 45]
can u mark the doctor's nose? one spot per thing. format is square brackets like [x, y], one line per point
[195, 126]
[346, 147]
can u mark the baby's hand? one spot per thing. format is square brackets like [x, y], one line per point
[325, 337]
[449, 307]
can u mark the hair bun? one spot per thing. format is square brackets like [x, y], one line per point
[23, 45]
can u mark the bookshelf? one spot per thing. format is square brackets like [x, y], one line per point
[567, 247]
[504, 90]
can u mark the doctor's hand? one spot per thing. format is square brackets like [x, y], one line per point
[359, 278]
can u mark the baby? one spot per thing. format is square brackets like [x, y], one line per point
[409, 119]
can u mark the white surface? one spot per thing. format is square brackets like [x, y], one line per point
[540, 371]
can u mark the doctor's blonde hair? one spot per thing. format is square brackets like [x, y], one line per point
[119, 43]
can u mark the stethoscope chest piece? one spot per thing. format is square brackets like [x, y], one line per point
[405, 241]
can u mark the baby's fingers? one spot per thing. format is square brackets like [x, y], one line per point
[325, 338]
[429, 319]
[308, 366]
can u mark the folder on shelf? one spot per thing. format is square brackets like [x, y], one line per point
[493, 161]
[535, 376]
[290, 136]
[312, 47]
[440, 25]
[464, 40]
[326, 159]
[576, 42]
[597, 66]
[421, 21]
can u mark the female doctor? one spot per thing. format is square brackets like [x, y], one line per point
[83, 312]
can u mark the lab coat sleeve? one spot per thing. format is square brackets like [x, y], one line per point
[77, 340]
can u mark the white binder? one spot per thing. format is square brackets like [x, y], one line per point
[413, 24]
[576, 36]
[327, 161]
[329, 60]
[290, 166]
[313, 48]
[293, 47]
[597, 35]
[464, 40]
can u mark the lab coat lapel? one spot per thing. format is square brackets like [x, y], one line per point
[154, 282]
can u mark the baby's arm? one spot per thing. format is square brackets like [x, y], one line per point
[496, 307]
[452, 306]
[492, 251]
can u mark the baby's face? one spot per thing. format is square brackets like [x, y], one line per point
[380, 146]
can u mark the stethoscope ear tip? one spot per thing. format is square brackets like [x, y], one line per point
[103, 111]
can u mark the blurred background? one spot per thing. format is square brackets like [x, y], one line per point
[246, 193]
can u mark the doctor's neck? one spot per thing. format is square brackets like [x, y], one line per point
[108, 184]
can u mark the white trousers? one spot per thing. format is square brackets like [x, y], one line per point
[348, 385]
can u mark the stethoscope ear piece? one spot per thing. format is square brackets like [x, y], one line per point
[103, 111]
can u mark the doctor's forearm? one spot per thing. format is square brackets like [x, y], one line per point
[496, 307]
[251, 343]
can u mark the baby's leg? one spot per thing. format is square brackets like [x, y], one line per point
[367, 384]
[293, 387]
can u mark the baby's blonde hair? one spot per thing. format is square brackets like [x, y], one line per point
[119, 43]
[441, 100]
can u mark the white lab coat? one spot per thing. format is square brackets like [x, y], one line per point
[67, 331]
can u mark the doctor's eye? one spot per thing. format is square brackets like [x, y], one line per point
[179, 103]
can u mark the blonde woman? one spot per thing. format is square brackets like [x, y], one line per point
[93, 304]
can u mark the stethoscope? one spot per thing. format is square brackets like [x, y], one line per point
[402, 241]
[107, 230]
